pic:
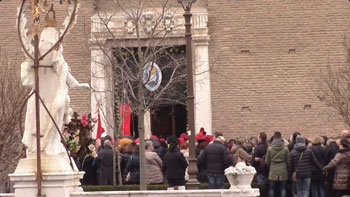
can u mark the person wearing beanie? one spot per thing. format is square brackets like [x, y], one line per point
[215, 159]
[276, 160]
[293, 138]
[301, 160]
[174, 164]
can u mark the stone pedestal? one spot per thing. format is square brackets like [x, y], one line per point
[58, 177]
[59, 163]
[53, 184]
[240, 181]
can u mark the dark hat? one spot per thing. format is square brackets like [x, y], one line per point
[299, 141]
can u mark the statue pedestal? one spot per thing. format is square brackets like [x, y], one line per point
[59, 163]
[53, 184]
[58, 177]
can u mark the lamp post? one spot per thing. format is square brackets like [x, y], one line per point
[192, 168]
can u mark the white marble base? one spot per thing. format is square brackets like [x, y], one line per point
[59, 163]
[53, 184]
[240, 181]
[174, 193]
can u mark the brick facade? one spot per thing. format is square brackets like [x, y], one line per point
[265, 59]
[75, 45]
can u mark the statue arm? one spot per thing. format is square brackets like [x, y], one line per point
[73, 83]
[27, 74]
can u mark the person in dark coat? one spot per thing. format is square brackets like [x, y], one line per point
[259, 157]
[202, 172]
[125, 155]
[301, 159]
[105, 163]
[317, 179]
[292, 143]
[341, 162]
[174, 164]
[330, 152]
[133, 167]
[90, 176]
[158, 148]
[216, 160]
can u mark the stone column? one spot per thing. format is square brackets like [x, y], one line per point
[98, 87]
[202, 89]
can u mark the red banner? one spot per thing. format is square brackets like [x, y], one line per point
[125, 116]
[100, 129]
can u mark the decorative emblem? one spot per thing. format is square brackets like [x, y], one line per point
[168, 22]
[152, 76]
[147, 22]
[129, 26]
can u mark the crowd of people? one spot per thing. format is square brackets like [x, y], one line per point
[298, 166]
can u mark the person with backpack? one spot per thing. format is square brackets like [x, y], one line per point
[300, 161]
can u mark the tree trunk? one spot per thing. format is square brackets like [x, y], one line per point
[143, 184]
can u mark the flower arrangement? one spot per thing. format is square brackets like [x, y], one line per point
[72, 140]
[240, 169]
[77, 134]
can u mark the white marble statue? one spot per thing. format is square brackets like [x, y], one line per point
[54, 84]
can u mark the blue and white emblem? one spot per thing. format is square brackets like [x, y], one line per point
[152, 76]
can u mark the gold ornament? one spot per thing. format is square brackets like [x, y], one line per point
[50, 19]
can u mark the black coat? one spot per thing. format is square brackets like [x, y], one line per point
[90, 176]
[174, 165]
[133, 167]
[202, 172]
[319, 152]
[304, 166]
[330, 153]
[105, 163]
[123, 162]
[260, 151]
[291, 146]
[215, 158]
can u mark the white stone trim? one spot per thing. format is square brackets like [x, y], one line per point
[123, 30]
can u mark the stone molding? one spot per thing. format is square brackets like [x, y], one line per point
[123, 29]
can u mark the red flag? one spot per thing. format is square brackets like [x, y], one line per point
[125, 116]
[100, 129]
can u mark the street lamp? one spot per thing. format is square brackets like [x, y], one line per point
[192, 168]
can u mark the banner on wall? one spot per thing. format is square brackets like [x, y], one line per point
[125, 117]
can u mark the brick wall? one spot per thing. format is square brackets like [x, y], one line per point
[75, 45]
[266, 58]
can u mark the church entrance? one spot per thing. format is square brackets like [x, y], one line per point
[169, 120]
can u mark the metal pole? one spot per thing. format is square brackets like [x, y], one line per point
[37, 102]
[192, 168]
[173, 122]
